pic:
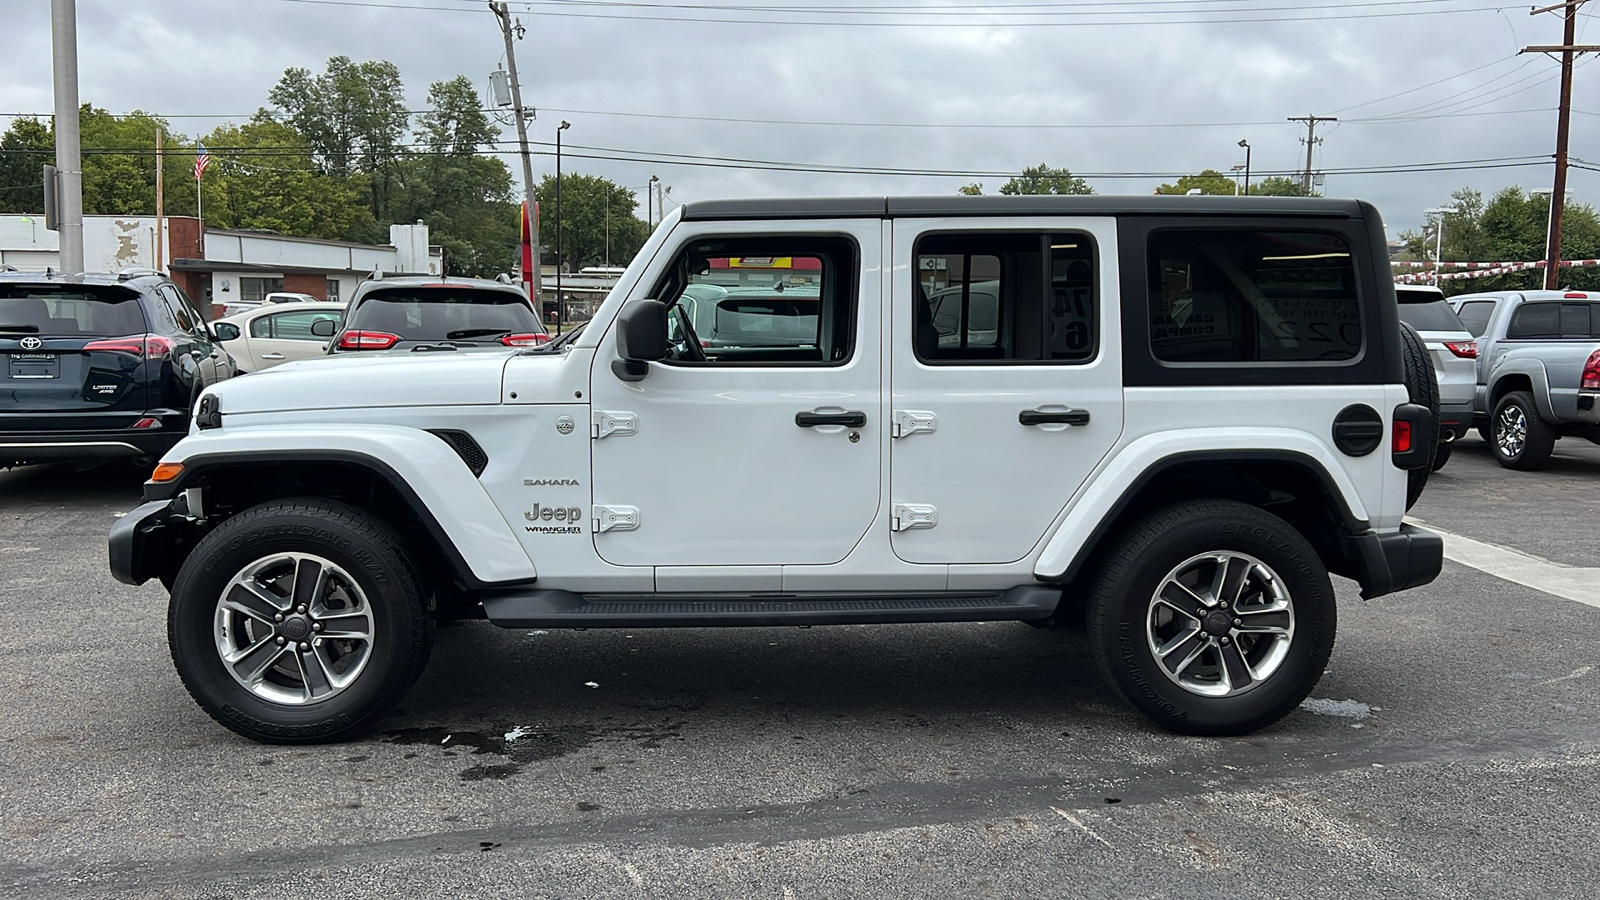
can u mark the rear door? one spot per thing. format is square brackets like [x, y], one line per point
[1006, 380]
[74, 357]
[281, 337]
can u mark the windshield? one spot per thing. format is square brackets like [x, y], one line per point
[69, 310]
[445, 313]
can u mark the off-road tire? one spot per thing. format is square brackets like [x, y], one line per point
[1539, 439]
[1121, 604]
[369, 552]
[1423, 384]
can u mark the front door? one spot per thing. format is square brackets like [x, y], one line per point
[757, 442]
[1006, 380]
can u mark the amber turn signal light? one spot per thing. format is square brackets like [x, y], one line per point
[166, 472]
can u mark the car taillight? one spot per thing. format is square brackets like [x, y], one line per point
[1402, 436]
[1463, 349]
[525, 340]
[1574, 295]
[1591, 372]
[149, 346]
[367, 340]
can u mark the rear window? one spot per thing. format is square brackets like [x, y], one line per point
[775, 321]
[69, 311]
[1433, 315]
[445, 313]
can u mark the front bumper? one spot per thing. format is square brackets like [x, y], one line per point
[1387, 563]
[139, 543]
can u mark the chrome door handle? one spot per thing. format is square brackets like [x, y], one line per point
[849, 419]
[1053, 417]
[272, 356]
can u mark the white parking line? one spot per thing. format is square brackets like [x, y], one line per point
[1570, 582]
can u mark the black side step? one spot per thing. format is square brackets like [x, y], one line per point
[563, 609]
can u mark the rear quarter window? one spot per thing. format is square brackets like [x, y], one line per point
[1226, 296]
[70, 311]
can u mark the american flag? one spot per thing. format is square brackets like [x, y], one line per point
[201, 161]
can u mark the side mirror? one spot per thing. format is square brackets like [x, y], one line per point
[641, 339]
[323, 328]
[225, 331]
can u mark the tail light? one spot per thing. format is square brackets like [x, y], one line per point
[1591, 372]
[537, 339]
[148, 422]
[1402, 436]
[367, 340]
[1463, 349]
[149, 346]
[1575, 295]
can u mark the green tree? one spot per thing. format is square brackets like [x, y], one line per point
[1209, 181]
[466, 199]
[353, 115]
[1276, 186]
[1510, 227]
[25, 149]
[262, 176]
[588, 204]
[974, 189]
[1045, 179]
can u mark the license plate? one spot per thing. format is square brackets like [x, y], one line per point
[34, 365]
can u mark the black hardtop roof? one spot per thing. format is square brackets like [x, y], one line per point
[1028, 205]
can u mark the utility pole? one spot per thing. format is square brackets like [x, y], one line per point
[161, 202]
[503, 15]
[1569, 50]
[69, 154]
[1311, 141]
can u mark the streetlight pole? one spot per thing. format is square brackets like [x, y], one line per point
[69, 156]
[559, 311]
[1246, 145]
[650, 200]
[1438, 238]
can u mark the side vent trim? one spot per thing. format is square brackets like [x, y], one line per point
[465, 447]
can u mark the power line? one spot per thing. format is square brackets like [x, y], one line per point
[1133, 17]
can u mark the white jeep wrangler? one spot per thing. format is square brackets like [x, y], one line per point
[1170, 416]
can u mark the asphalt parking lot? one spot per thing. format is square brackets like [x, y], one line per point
[1451, 750]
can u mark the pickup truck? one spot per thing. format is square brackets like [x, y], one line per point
[1538, 370]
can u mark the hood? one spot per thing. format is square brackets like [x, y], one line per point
[368, 380]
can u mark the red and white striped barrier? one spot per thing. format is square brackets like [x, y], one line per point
[1491, 270]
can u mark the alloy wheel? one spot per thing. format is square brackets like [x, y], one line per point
[1220, 623]
[294, 628]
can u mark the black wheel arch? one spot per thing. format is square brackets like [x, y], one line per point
[234, 482]
[1292, 485]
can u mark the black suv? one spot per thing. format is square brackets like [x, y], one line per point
[99, 366]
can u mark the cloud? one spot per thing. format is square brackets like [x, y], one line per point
[1193, 89]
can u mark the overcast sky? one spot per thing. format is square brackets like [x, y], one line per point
[962, 86]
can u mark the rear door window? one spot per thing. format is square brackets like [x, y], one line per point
[293, 326]
[69, 311]
[1534, 321]
[1474, 315]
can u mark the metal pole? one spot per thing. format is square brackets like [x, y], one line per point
[504, 17]
[1438, 251]
[161, 201]
[1558, 194]
[69, 153]
[560, 313]
[1246, 145]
